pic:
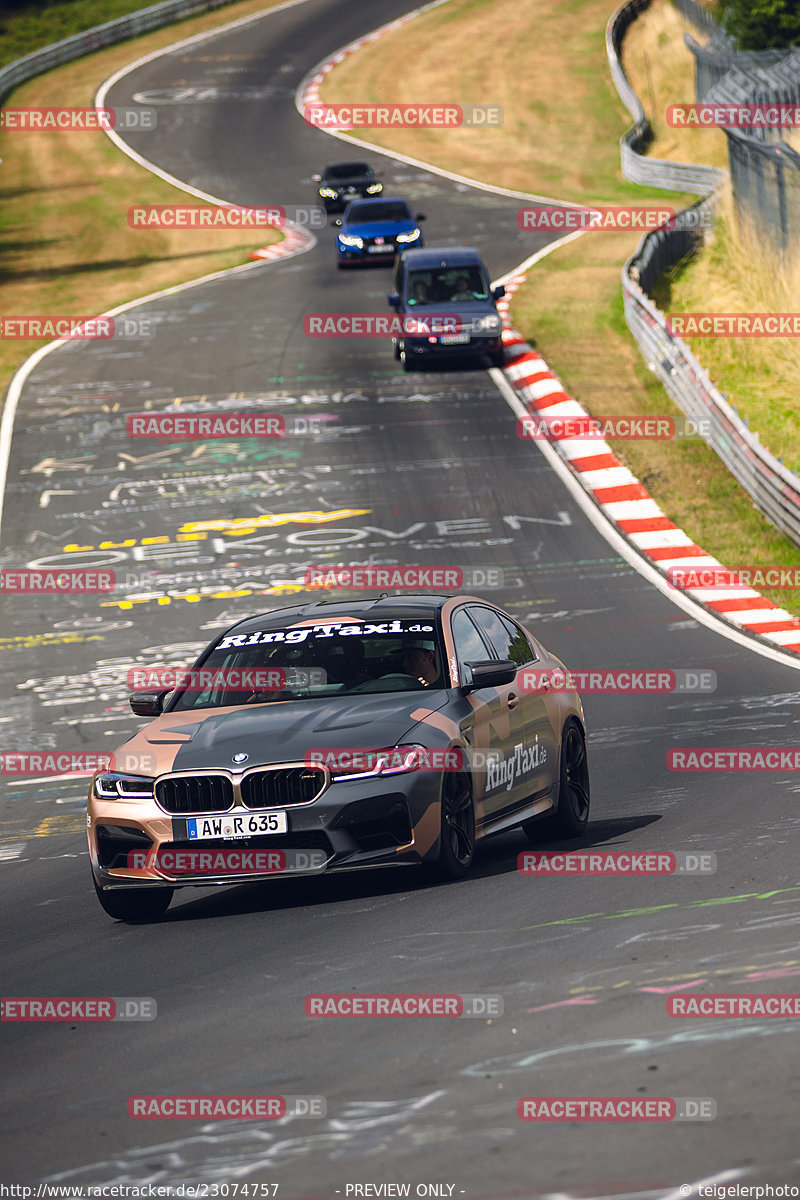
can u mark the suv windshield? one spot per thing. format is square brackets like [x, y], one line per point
[363, 214]
[336, 658]
[447, 285]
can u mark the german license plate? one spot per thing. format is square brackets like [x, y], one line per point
[381, 249]
[455, 339]
[236, 825]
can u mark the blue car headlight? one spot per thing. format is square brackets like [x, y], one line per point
[350, 241]
[409, 237]
[489, 324]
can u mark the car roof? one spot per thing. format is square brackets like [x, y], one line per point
[359, 166]
[406, 607]
[437, 256]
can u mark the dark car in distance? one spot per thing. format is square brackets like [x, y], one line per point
[340, 183]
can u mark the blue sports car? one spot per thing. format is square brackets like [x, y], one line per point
[377, 230]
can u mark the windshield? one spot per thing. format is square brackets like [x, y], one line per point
[364, 214]
[447, 285]
[347, 171]
[342, 658]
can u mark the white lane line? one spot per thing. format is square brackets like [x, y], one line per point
[12, 851]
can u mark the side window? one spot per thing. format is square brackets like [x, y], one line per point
[468, 642]
[507, 639]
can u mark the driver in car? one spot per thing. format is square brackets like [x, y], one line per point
[419, 661]
[463, 291]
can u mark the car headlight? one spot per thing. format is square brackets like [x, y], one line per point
[374, 188]
[366, 764]
[348, 239]
[490, 324]
[409, 237]
[111, 785]
[329, 193]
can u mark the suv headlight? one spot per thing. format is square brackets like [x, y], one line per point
[111, 785]
[489, 324]
[348, 239]
[329, 193]
[374, 188]
[409, 237]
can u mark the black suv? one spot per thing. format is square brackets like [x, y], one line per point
[451, 283]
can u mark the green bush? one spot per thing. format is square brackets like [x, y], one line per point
[761, 24]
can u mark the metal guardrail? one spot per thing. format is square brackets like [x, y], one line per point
[772, 486]
[649, 172]
[98, 37]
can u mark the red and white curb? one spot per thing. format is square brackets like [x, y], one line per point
[626, 501]
[295, 241]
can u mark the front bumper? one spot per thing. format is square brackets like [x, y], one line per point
[477, 346]
[353, 824]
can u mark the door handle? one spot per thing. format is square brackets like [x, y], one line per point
[513, 700]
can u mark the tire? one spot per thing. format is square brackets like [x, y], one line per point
[498, 359]
[396, 350]
[134, 905]
[457, 831]
[573, 792]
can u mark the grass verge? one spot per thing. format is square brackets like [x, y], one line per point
[561, 135]
[65, 243]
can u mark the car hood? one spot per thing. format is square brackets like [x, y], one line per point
[467, 308]
[369, 229]
[284, 731]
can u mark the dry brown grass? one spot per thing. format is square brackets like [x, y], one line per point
[557, 138]
[660, 68]
[64, 238]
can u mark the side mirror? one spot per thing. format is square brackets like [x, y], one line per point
[489, 674]
[148, 704]
[420, 217]
[317, 178]
[338, 221]
[498, 292]
[394, 299]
